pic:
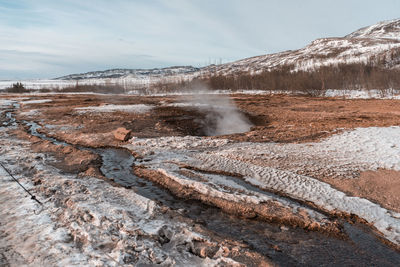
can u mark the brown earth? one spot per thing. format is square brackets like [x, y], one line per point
[382, 186]
[282, 118]
[270, 211]
[276, 118]
[66, 158]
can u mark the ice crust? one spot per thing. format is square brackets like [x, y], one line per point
[85, 221]
[306, 188]
[356, 150]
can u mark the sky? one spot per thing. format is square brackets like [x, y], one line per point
[48, 38]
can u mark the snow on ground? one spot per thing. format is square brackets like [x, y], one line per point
[139, 108]
[361, 149]
[321, 52]
[58, 84]
[38, 84]
[30, 113]
[342, 154]
[188, 104]
[35, 101]
[364, 94]
[6, 102]
[85, 221]
[306, 188]
[168, 153]
[384, 29]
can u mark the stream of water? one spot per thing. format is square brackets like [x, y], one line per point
[296, 247]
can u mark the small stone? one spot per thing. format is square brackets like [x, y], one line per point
[122, 134]
[284, 228]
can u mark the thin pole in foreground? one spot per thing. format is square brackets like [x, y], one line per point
[26, 190]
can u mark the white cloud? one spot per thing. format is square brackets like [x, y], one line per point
[61, 37]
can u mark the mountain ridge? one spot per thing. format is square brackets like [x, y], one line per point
[121, 72]
[375, 44]
[388, 29]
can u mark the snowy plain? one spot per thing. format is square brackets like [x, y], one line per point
[358, 150]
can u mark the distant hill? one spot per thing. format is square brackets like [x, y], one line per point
[132, 73]
[379, 44]
[368, 58]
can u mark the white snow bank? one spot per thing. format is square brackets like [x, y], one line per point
[306, 188]
[357, 150]
[36, 239]
[139, 108]
[348, 94]
[32, 112]
[39, 84]
[360, 149]
[218, 186]
[85, 222]
[364, 94]
[179, 143]
[36, 101]
[187, 104]
[6, 102]
[376, 147]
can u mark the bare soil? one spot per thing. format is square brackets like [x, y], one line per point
[382, 186]
[289, 119]
[276, 118]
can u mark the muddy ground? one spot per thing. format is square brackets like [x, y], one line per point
[275, 118]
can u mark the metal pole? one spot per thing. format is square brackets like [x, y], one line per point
[32, 196]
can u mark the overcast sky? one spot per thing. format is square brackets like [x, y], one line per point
[51, 38]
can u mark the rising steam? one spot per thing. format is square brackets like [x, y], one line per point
[221, 114]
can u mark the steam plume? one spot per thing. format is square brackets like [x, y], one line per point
[222, 116]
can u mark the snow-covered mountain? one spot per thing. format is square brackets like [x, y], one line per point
[387, 29]
[379, 44]
[132, 73]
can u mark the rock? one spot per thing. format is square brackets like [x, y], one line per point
[67, 150]
[284, 228]
[122, 134]
[91, 171]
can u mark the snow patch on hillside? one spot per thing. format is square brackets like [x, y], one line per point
[386, 29]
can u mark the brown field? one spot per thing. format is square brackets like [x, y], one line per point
[276, 118]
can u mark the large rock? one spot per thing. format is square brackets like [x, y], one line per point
[122, 134]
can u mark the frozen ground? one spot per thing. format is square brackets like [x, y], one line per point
[84, 221]
[342, 155]
[87, 221]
